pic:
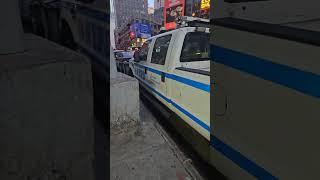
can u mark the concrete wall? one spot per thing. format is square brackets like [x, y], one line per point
[46, 112]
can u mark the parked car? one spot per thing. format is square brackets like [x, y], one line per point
[123, 58]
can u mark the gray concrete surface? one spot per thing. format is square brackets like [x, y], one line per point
[124, 102]
[46, 113]
[113, 66]
[146, 152]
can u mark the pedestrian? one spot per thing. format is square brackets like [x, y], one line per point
[136, 54]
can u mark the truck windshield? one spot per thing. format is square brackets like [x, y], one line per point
[196, 47]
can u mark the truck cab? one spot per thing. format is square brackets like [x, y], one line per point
[174, 67]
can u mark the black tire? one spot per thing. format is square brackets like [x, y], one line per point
[121, 68]
[130, 73]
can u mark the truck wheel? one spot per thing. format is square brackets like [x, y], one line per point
[121, 68]
[130, 73]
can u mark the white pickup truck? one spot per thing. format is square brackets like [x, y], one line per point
[175, 68]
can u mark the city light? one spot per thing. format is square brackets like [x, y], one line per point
[205, 4]
[132, 34]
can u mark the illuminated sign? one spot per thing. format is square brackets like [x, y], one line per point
[173, 9]
[141, 30]
[205, 4]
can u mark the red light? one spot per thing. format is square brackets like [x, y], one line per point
[132, 34]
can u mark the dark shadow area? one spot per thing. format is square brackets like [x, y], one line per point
[102, 126]
[100, 83]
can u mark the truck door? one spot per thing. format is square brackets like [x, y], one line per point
[189, 88]
[243, 105]
[157, 68]
[140, 62]
[265, 100]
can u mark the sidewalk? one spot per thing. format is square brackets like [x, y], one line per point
[146, 153]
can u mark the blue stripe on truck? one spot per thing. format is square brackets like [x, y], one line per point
[192, 83]
[239, 159]
[299, 80]
[194, 118]
[220, 146]
[199, 85]
[226, 150]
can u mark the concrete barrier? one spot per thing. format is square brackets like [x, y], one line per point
[124, 103]
[46, 112]
[124, 100]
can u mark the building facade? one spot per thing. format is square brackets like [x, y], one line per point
[158, 16]
[197, 8]
[122, 38]
[126, 10]
[150, 10]
[158, 11]
[136, 33]
[158, 4]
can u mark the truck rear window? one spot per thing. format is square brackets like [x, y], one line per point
[196, 47]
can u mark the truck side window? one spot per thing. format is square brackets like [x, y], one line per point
[160, 49]
[196, 47]
[143, 54]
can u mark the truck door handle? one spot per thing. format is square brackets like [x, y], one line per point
[163, 77]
